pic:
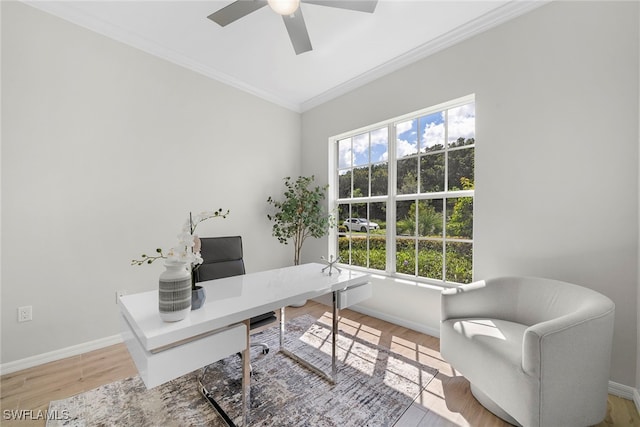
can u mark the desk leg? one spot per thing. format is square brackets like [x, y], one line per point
[246, 377]
[334, 340]
[334, 337]
[281, 327]
[246, 387]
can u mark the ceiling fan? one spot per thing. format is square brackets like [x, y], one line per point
[291, 15]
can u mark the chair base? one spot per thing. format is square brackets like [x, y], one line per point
[209, 397]
[491, 406]
[265, 347]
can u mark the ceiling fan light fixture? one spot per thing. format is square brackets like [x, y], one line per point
[284, 7]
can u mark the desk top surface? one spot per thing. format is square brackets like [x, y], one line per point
[234, 299]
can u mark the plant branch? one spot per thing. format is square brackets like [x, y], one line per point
[146, 259]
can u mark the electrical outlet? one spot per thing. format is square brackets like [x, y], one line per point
[25, 313]
[120, 294]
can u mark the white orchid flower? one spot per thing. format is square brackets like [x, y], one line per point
[189, 244]
[197, 259]
[186, 239]
[197, 244]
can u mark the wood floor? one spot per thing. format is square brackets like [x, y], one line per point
[447, 400]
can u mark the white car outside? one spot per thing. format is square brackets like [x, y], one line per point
[360, 224]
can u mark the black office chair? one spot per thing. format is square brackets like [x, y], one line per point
[222, 257]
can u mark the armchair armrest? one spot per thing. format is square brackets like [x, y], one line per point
[567, 339]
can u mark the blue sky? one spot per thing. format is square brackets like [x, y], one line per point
[431, 129]
[374, 143]
[355, 151]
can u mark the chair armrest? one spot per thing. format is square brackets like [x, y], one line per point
[563, 342]
[569, 357]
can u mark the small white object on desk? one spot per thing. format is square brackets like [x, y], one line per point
[331, 264]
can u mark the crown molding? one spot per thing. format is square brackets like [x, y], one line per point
[483, 23]
[67, 12]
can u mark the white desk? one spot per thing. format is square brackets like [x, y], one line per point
[163, 351]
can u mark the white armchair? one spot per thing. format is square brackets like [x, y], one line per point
[536, 351]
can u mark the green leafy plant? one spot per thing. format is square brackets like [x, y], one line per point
[300, 214]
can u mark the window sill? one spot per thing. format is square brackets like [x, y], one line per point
[404, 280]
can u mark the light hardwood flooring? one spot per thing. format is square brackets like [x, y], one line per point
[447, 400]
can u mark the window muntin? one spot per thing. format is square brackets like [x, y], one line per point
[424, 192]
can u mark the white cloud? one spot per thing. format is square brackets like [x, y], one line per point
[360, 149]
[379, 142]
[404, 126]
[379, 136]
[360, 144]
[433, 134]
[344, 153]
[462, 122]
[405, 148]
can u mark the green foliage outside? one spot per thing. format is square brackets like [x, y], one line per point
[430, 166]
[419, 223]
[427, 220]
[458, 261]
[425, 217]
[460, 223]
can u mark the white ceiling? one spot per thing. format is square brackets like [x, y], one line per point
[254, 53]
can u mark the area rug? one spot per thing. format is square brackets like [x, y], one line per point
[375, 387]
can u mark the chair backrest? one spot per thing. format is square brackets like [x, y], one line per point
[222, 257]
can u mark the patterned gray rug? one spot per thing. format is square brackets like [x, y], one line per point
[375, 386]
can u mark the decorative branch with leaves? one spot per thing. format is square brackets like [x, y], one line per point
[147, 259]
[299, 214]
[188, 248]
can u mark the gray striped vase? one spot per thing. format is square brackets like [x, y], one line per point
[174, 292]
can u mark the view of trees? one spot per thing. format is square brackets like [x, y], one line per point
[430, 232]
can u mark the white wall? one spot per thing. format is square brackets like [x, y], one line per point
[556, 157]
[105, 150]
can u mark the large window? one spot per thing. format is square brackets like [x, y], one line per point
[403, 190]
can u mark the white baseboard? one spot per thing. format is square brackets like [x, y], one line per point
[75, 350]
[397, 320]
[623, 391]
[626, 392]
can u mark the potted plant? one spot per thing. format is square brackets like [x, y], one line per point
[300, 214]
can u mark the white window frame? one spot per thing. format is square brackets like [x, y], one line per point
[392, 197]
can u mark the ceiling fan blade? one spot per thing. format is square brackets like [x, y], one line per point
[298, 32]
[235, 11]
[358, 5]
